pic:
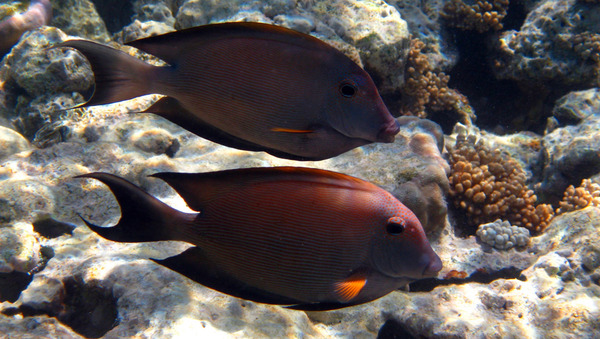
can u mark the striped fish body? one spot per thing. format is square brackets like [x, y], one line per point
[251, 86]
[285, 235]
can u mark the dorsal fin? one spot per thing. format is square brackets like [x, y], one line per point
[198, 189]
[169, 46]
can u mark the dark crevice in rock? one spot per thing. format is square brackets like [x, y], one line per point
[393, 329]
[88, 308]
[50, 228]
[499, 105]
[446, 119]
[515, 16]
[12, 284]
[115, 13]
[480, 276]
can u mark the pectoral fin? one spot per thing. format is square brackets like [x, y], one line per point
[349, 288]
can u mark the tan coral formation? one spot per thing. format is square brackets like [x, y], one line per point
[480, 16]
[489, 185]
[426, 89]
[587, 194]
[587, 46]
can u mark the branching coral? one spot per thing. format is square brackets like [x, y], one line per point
[480, 16]
[488, 185]
[426, 89]
[587, 194]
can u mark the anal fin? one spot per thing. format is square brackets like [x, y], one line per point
[194, 264]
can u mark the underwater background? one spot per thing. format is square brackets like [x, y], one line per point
[506, 183]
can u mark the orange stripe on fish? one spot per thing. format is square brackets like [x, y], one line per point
[289, 130]
[351, 287]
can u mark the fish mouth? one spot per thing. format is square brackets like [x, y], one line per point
[388, 132]
[432, 269]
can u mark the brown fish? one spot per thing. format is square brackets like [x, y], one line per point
[309, 238]
[251, 86]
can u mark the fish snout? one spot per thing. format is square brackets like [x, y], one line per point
[388, 132]
[434, 266]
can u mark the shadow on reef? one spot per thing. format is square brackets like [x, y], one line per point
[88, 308]
[13, 283]
[480, 276]
[115, 13]
[393, 329]
[502, 106]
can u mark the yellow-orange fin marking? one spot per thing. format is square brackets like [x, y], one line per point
[348, 289]
[289, 130]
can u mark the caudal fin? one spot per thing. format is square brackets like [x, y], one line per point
[143, 217]
[118, 75]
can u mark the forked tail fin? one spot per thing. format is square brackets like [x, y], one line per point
[143, 217]
[118, 75]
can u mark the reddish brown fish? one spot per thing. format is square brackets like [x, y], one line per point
[250, 86]
[308, 238]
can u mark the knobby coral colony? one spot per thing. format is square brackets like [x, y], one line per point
[586, 45]
[426, 89]
[588, 194]
[480, 16]
[488, 185]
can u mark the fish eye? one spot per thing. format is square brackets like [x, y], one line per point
[347, 90]
[394, 228]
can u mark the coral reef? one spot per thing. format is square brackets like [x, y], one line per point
[79, 18]
[587, 194]
[502, 235]
[570, 154]
[480, 16]
[378, 32]
[488, 185]
[19, 249]
[550, 289]
[423, 181]
[426, 91]
[576, 106]
[556, 47]
[35, 82]
[11, 142]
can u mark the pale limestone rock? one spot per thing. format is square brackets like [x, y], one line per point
[19, 248]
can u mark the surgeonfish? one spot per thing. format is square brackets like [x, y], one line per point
[307, 238]
[250, 86]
